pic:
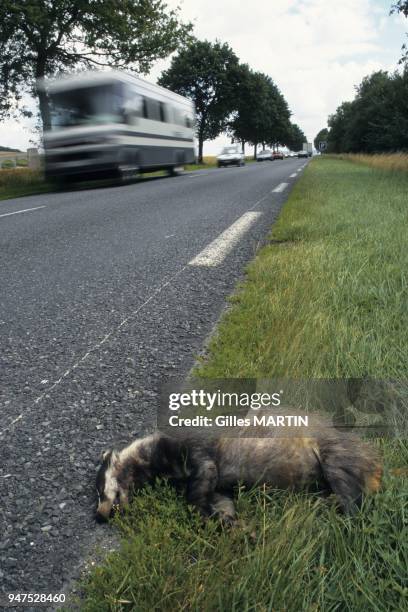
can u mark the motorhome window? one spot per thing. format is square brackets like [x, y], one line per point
[153, 109]
[163, 113]
[94, 105]
[145, 108]
[169, 113]
[189, 121]
[133, 105]
[178, 117]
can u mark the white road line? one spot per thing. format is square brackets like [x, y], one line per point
[280, 188]
[218, 249]
[17, 212]
[293, 175]
[92, 349]
[96, 346]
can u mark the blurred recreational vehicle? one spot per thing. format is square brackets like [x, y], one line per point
[112, 124]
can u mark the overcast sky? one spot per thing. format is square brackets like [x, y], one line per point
[316, 51]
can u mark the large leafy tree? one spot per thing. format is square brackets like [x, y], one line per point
[279, 129]
[376, 120]
[370, 124]
[401, 7]
[296, 138]
[207, 73]
[39, 38]
[262, 114]
[338, 124]
[248, 122]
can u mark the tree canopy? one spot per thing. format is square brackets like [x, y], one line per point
[296, 138]
[207, 73]
[261, 112]
[400, 7]
[229, 96]
[376, 120]
[45, 37]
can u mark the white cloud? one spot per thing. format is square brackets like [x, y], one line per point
[316, 51]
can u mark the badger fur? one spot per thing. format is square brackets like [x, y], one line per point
[209, 469]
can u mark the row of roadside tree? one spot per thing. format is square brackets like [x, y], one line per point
[43, 39]
[231, 98]
[376, 121]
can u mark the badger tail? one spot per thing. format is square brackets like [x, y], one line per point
[351, 469]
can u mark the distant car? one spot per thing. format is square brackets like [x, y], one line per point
[265, 155]
[277, 155]
[303, 154]
[231, 156]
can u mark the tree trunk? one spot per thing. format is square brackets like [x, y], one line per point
[255, 146]
[44, 109]
[200, 148]
[243, 146]
[42, 95]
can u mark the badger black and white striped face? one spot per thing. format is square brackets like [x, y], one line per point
[107, 485]
[122, 473]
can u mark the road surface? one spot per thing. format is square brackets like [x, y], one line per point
[105, 293]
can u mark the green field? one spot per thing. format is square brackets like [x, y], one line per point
[327, 297]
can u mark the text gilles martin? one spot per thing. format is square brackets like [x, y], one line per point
[218, 400]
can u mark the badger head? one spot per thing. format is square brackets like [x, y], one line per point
[119, 472]
[107, 485]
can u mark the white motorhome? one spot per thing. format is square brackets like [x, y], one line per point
[115, 124]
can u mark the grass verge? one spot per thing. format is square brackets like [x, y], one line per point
[384, 161]
[326, 298]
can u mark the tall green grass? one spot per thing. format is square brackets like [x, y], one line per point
[382, 161]
[327, 297]
[291, 552]
[17, 182]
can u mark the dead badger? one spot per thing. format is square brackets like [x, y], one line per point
[336, 463]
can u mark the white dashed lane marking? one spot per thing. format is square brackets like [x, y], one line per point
[218, 249]
[18, 212]
[280, 188]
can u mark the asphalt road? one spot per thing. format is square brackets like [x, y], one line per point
[102, 297]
